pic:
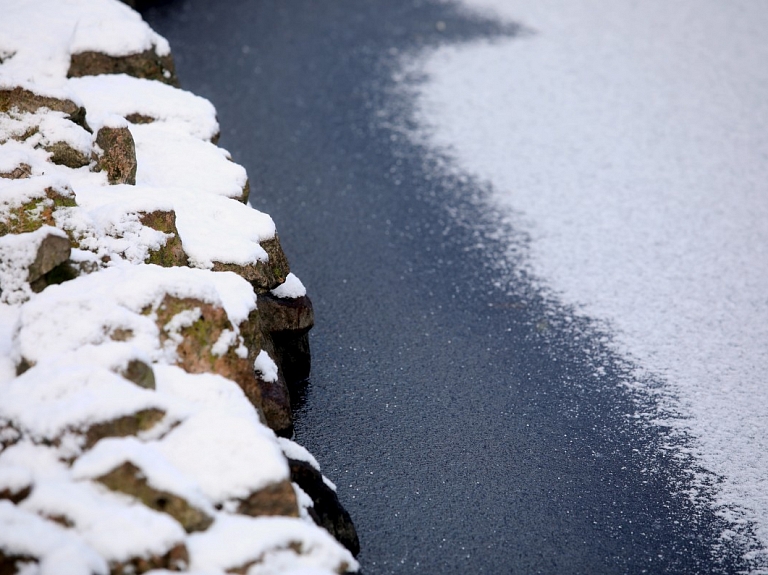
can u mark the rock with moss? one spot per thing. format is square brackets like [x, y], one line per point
[117, 155]
[29, 212]
[202, 338]
[129, 479]
[172, 253]
[147, 64]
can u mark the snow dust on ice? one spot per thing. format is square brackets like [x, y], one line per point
[629, 140]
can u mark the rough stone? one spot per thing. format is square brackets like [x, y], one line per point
[129, 479]
[27, 101]
[327, 510]
[118, 157]
[274, 397]
[53, 251]
[63, 154]
[176, 559]
[123, 426]
[277, 499]
[172, 253]
[147, 64]
[64, 272]
[15, 495]
[140, 373]
[286, 314]
[246, 189]
[263, 276]
[18, 173]
[194, 351]
[195, 356]
[137, 118]
[293, 358]
[288, 321]
[12, 564]
[37, 212]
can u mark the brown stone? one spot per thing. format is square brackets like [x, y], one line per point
[15, 495]
[145, 64]
[140, 373]
[172, 253]
[123, 426]
[288, 320]
[18, 173]
[176, 559]
[246, 190]
[277, 499]
[53, 251]
[63, 154]
[11, 564]
[137, 118]
[129, 479]
[37, 212]
[118, 157]
[274, 397]
[194, 352]
[327, 511]
[286, 314]
[263, 276]
[27, 101]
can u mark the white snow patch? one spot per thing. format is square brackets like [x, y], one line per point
[234, 541]
[125, 95]
[293, 450]
[629, 140]
[59, 550]
[65, 28]
[98, 515]
[265, 367]
[291, 288]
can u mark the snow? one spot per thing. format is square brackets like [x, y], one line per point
[17, 254]
[292, 288]
[99, 514]
[71, 395]
[628, 140]
[295, 451]
[234, 541]
[65, 28]
[229, 457]
[61, 551]
[265, 367]
[126, 95]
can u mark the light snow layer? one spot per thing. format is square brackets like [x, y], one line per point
[630, 140]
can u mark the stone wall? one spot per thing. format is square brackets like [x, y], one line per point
[152, 330]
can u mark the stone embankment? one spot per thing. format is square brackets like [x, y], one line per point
[151, 330]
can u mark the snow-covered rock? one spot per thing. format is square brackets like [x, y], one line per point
[141, 387]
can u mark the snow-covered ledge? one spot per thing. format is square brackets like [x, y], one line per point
[149, 325]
